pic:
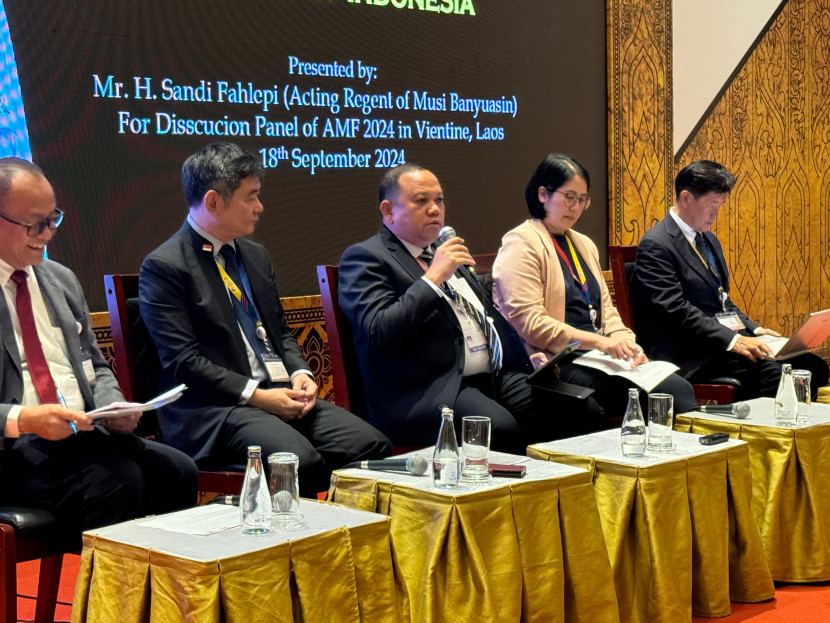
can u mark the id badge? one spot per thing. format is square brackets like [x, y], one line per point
[275, 369]
[89, 370]
[731, 320]
[474, 338]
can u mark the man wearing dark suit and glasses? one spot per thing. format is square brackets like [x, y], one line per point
[417, 315]
[681, 294]
[210, 301]
[51, 371]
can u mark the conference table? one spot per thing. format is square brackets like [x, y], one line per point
[197, 566]
[790, 485]
[528, 549]
[678, 526]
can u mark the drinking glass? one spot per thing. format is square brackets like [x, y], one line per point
[801, 380]
[475, 447]
[660, 413]
[284, 486]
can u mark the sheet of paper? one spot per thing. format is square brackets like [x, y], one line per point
[120, 409]
[198, 521]
[646, 375]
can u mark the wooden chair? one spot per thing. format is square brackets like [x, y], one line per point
[31, 534]
[134, 350]
[621, 258]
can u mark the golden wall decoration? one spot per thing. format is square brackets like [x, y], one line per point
[640, 159]
[771, 128]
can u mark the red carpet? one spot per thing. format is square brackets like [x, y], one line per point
[27, 573]
[793, 603]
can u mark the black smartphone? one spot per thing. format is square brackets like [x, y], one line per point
[711, 440]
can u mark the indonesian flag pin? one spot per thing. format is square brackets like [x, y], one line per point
[207, 247]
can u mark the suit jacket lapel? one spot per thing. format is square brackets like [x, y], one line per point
[688, 254]
[64, 315]
[219, 293]
[10, 345]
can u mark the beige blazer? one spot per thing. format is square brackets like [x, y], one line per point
[529, 287]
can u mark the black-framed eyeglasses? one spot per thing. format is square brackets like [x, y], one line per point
[35, 229]
[571, 198]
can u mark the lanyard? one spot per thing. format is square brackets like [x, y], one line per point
[581, 279]
[709, 263]
[245, 303]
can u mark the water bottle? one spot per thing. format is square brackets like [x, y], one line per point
[786, 401]
[633, 435]
[446, 462]
[255, 500]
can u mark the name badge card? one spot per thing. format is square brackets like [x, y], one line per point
[275, 369]
[730, 320]
[89, 370]
[474, 338]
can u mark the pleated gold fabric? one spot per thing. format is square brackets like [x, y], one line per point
[340, 576]
[790, 493]
[530, 551]
[677, 533]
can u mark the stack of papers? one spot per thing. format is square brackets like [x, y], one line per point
[121, 409]
[646, 375]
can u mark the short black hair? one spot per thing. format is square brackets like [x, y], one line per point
[220, 167]
[10, 167]
[704, 176]
[552, 172]
[388, 187]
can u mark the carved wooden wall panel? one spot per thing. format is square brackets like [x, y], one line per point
[640, 159]
[772, 129]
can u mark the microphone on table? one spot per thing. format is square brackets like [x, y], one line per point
[446, 233]
[415, 465]
[739, 410]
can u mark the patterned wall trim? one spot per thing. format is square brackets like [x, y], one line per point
[772, 129]
[304, 315]
[640, 158]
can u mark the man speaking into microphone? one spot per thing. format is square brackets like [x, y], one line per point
[425, 331]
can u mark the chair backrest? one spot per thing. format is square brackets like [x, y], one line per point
[345, 371]
[622, 268]
[137, 366]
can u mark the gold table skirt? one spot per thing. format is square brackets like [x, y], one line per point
[529, 551]
[681, 536]
[342, 575]
[790, 493]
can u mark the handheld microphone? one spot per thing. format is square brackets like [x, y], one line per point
[446, 233]
[415, 465]
[739, 410]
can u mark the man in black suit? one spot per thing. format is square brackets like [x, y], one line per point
[210, 302]
[51, 372]
[681, 294]
[419, 329]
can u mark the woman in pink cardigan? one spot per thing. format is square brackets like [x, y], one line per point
[548, 283]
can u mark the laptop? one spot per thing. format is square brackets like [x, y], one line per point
[809, 336]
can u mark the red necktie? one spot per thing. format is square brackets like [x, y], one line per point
[38, 369]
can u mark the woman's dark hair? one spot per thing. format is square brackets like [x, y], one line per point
[552, 172]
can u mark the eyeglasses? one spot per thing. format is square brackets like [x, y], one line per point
[35, 229]
[571, 198]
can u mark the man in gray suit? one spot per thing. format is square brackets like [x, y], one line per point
[51, 372]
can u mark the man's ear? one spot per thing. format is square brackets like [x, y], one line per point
[212, 201]
[386, 211]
